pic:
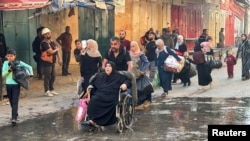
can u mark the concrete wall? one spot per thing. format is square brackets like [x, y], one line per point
[140, 15]
[212, 21]
[57, 23]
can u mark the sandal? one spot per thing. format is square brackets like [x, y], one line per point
[94, 124]
[90, 123]
[87, 123]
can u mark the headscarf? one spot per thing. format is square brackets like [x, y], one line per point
[136, 50]
[92, 48]
[179, 42]
[159, 42]
[245, 36]
[180, 37]
[113, 66]
[111, 76]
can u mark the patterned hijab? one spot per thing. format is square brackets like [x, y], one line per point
[92, 48]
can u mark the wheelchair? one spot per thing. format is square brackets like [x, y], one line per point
[126, 104]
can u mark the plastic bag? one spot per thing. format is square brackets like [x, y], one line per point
[144, 84]
[82, 109]
[192, 71]
[172, 65]
[21, 75]
[156, 81]
[79, 86]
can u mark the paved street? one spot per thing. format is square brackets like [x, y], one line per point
[35, 104]
[169, 119]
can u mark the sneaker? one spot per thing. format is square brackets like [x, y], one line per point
[47, 93]
[139, 107]
[54, 93]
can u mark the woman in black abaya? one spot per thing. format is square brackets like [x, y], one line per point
[102, 106]
[203, 70]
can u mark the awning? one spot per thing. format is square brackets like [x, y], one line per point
[245, 2]
[59, 5]
[234, 8]
[22, 4]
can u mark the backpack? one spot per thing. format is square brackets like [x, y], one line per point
[45, 56]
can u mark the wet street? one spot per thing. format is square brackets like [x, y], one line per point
[169, 119]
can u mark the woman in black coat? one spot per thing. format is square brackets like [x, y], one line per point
[102, 106]
[180, 49]
[90, 62]
[203, 69]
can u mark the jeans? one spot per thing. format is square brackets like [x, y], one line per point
[13, 93]
[49, 77]
[65, 60]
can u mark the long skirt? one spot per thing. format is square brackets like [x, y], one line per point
[102, 109]
[204, 74]
[165, 79]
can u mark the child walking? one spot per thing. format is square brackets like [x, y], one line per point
[184, 75]
[230, 61]
[12, 87]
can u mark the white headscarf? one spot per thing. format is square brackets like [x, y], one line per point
[179, 42]
[160, 43]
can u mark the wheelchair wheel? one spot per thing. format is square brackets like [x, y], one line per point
[128, 111]
[119, 125]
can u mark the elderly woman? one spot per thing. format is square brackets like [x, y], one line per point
[180, 49]
[90, 62]
[140, 65]
[180, 46]
[244, 52]
[165, 76]
[102, 106]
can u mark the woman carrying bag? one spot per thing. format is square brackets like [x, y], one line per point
[144, 85]
[163, 52]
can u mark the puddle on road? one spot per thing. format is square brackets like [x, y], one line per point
[172, 119]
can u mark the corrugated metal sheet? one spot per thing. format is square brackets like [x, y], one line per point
[98, 25]
[20, 32]
[188, 20]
